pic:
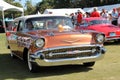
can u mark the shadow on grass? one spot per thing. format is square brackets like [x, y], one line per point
[112, 43]
[17, 69]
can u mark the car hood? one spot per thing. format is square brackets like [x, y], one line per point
[55, 38]
[105, 28]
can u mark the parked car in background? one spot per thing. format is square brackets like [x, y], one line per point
[99, 24]
[49, 40]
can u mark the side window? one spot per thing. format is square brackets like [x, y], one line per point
[20, 26]
[29, 26]
[39, 24]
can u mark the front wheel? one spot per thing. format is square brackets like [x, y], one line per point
[89, 64]
[32, 66]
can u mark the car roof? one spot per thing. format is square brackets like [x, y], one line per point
[37, 15]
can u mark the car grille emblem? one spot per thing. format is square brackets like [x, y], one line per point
[71, 41]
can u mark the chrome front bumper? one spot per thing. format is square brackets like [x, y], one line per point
[54, 59]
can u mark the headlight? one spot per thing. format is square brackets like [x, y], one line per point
[100, 38]
[39, 43]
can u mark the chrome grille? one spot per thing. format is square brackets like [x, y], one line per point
[71, 52]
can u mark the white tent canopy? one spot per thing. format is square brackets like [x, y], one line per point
[6, 6]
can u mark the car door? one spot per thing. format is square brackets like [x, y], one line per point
[12, 38]
[20, 38]
[15, 40]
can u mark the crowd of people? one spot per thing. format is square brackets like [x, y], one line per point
[114, 16]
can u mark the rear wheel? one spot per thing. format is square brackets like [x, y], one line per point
[89, 64]
[32, 66]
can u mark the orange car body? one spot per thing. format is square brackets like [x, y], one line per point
[54, 45]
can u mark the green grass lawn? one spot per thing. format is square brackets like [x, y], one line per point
[106, 69]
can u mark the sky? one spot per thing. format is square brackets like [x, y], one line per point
[33, 1]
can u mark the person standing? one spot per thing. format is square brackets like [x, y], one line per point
[79, 17]
[114, 16]
[104, 14]
[118, 19]
[75, 18]
[87, 14]
[95, 13]
[72, 17]
[110, 18]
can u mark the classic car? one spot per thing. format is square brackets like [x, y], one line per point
[99, 24]
[50, 40]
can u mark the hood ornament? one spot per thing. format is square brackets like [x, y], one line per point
[71, 41]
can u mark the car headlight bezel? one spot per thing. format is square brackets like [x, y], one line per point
[100, 38]
[39, 43]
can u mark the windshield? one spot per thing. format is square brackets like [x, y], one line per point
[93, 22]
[53, 22]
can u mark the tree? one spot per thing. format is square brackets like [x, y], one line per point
[63, 3]
[30, 9]
[45, 4]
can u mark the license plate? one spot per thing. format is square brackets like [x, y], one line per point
[112, 34]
